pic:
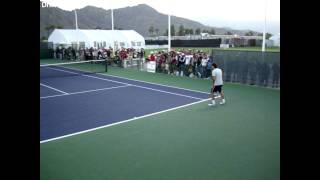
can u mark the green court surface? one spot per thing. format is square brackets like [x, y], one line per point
[236, 141]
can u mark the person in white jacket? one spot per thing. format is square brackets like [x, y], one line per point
[217, 84]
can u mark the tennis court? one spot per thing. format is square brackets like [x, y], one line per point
[75, 101]
[127, 124]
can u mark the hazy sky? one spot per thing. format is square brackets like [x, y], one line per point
[243, 14]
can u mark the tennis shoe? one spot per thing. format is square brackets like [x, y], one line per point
[213, 103]
[223, 101]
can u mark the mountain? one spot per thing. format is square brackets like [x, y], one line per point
[138, 18]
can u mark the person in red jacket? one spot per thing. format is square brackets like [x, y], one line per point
[152, 57]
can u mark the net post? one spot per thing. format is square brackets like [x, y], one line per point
[106, 65]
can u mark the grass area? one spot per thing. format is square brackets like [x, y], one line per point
[240, 140]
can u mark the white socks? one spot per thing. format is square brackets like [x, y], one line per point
[213, 102]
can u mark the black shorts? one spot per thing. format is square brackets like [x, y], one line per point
[217, 89]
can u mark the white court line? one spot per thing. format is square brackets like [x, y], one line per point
[130, 79]
[145, 87]
[137, 86]
[88, 76]
[128, 120]
[168, 92]
[65, 93]
[154, 83]
[62, 70]
[102, 89]
[106, 79]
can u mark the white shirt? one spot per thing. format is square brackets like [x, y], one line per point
[218, 74]
[188, 58]
[204, 62]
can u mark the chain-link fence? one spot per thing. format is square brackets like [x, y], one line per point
[46, 50]
[249, 67]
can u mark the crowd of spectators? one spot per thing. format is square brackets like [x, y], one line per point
[182, 63]
[117, 56]
[190, 63]
[195, 63]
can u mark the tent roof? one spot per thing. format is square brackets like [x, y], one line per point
[88, 35]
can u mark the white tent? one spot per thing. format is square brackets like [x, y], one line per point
[98, 38]
[275, 40]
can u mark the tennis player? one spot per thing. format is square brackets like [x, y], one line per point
[217, 84]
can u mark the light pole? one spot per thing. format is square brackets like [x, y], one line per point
[169, 33]
[264, 27]
[76, 18]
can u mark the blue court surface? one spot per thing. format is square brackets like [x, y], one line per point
[78, 103]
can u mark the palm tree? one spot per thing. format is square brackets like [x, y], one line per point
[213, 32]
[198, 31]
[166, 33]
[151, 30]
[173, 30]
[157, 31]
[191, 31]
[181, 30]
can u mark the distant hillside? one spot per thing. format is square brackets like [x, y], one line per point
[138, 18]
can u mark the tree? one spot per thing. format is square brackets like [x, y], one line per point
[59, 27]
[98, 27]
[166, 33]
[205, 31]
[186, 31]
[268, 35]
[181, 31]
[191, 31]
[157, 31]
[43, 38]
[250, 33]
[198, 31]
[212, 31]
[173, 30]
[151, 30]
[228, 33]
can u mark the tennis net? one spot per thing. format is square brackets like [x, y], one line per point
[76, 68]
